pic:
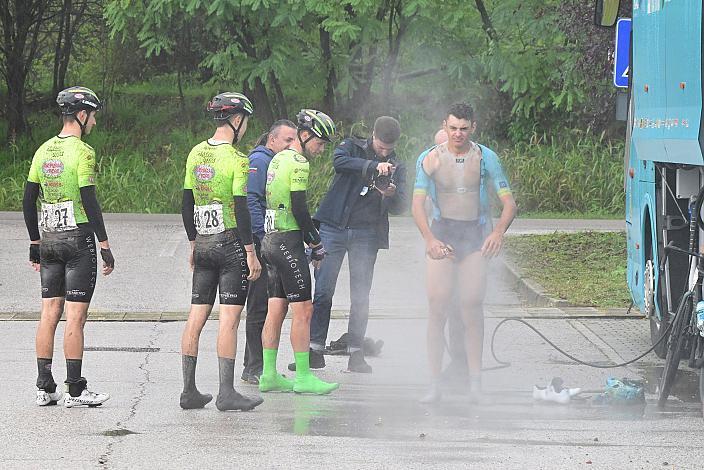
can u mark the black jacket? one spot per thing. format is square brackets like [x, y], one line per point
[355, 165]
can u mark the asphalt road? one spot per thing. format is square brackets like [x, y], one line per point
[372, 421]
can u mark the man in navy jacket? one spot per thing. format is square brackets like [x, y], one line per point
[279, 137]
[369, 184]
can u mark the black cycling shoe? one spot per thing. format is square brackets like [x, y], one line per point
[194, 400]
[232, 400]
[317, 361]
[357, 363]
[250, 378]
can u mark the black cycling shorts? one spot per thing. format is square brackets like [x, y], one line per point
[465, 237]
[220, 263]
[287, 265]
[68, 264]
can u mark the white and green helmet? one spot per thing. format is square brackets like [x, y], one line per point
[317, 122]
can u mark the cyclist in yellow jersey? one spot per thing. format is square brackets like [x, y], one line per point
[218, 225]
[62, 177]
[288, 226]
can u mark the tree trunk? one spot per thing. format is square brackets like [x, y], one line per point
[20, 40]
[72, 26]
[59, 50]
[260, 97]
[15, 80]
[280, 108]
[389, 79]
[486, 20]
[330, 76]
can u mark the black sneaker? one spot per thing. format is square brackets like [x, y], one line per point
[317, 361]
[358, 364]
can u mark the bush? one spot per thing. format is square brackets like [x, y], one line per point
[142, 142]
[581, 173]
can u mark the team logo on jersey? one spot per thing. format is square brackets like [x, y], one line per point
[300, 158]
[204, 172]
[269, 176]
[52, 168]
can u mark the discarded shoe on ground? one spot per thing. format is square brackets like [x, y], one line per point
[555, 392]
[621, 392]
[340, 347]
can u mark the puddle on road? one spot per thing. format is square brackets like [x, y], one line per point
[685, 388]
[401, 418]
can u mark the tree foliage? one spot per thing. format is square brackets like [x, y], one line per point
[527, 65]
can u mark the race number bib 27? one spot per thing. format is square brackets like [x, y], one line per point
[208, 219]
[58, 217]
[270, 221]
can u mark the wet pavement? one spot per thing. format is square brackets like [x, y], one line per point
[372, 421]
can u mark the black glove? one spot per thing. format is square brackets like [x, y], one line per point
[108, 259]
[318, 253]
[34, 253]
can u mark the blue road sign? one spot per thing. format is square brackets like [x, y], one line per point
[623, 43]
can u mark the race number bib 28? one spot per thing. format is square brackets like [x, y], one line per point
[58, 217]
[270, 221]
[208, 219]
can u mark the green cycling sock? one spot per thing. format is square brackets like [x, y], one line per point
[269, 357]
[302, 363]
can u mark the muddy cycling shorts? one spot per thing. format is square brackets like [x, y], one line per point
[286, 261]
[68, 264]
[220, 265]
[465, 237]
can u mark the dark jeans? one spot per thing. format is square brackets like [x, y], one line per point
[257, 300]
[361, 247]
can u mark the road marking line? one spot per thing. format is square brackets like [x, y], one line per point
[601, 345]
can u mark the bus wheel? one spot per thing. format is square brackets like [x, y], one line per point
[657, 326]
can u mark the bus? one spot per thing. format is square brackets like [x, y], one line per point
[664, 162]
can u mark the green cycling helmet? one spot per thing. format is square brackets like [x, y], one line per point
[317, 122]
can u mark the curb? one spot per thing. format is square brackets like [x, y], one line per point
[533, 294]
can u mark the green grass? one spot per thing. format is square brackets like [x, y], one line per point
[587, 268]
[570, 215]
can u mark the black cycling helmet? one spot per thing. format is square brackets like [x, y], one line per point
[74, 99]
[225, 105]
[78, 98]
[317, 122]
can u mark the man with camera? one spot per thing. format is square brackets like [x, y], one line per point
[369, 184]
